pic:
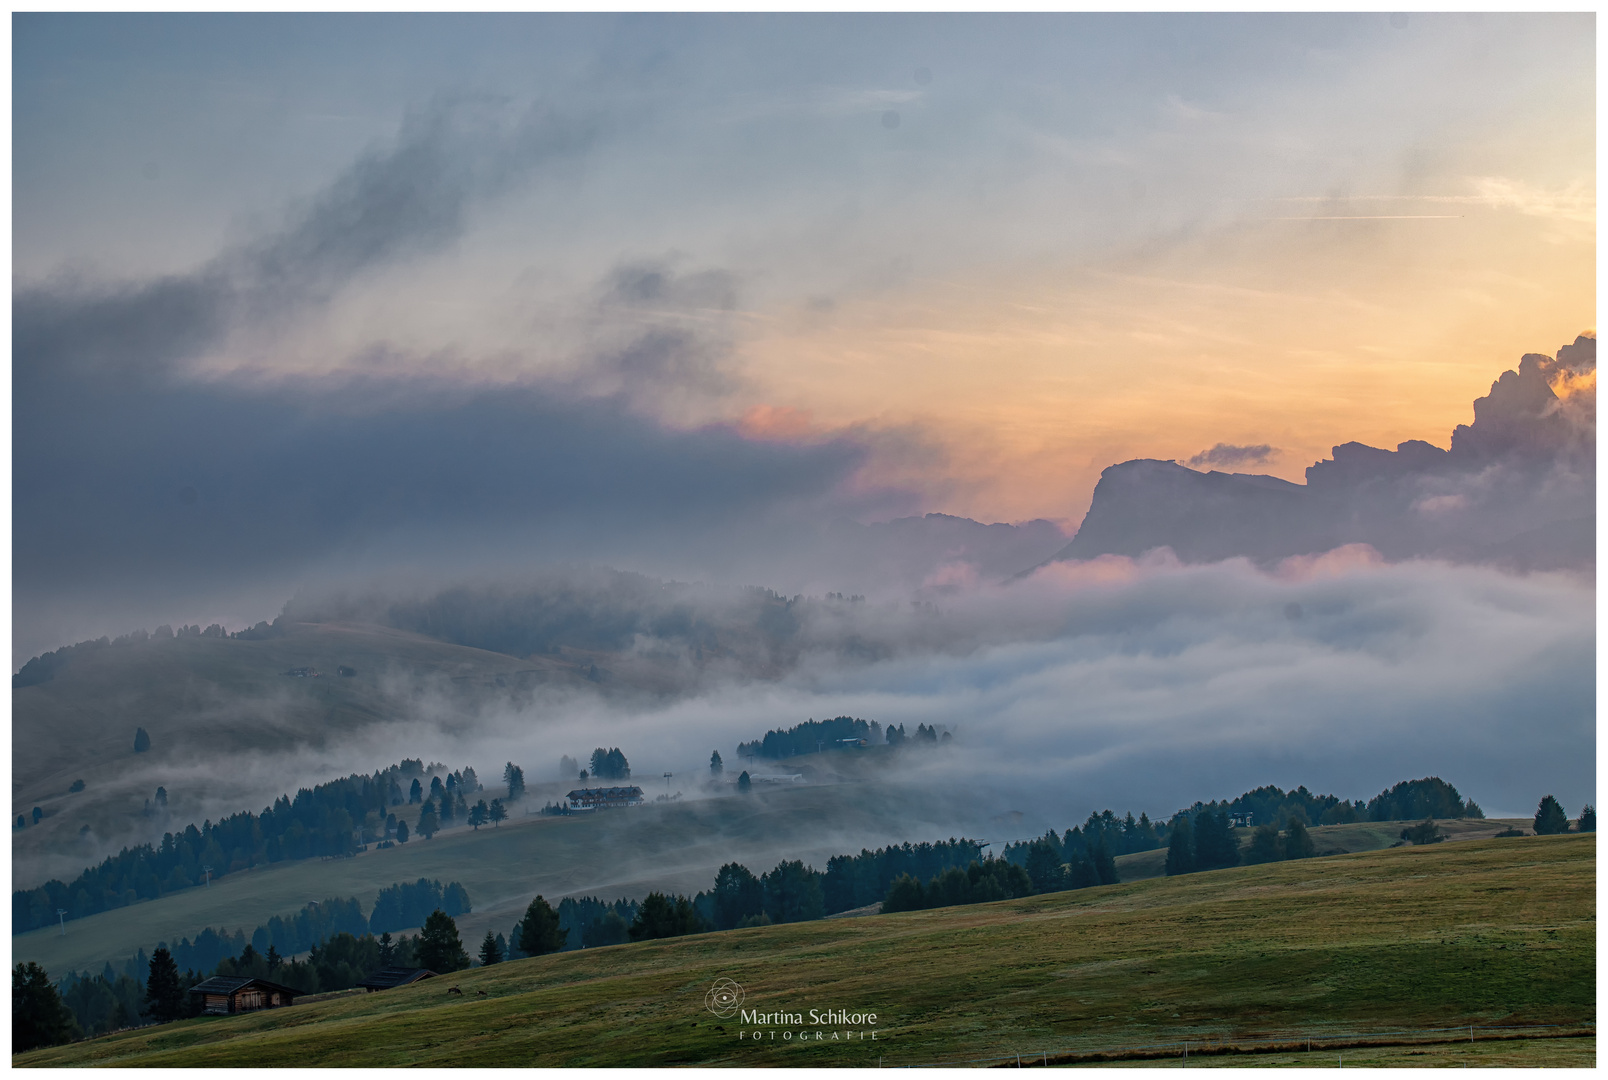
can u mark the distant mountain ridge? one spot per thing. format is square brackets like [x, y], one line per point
[1516, 488]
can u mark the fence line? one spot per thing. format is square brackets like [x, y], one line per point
[1228, 1044]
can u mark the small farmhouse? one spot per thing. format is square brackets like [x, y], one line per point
[388, 978]
[221, 995]
[600, 798]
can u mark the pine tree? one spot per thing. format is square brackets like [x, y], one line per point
[1044, 867]
[1550, 818]
[514, 777]
[415, 792]
[489, 952]
[539, 933]
[274, 959]
[1588, 819]
[744, 784]
[479, 814]
[716, 766]
[142, 741]
[38, 1016]
[1181, 848]
[387, 949]
[162, 992]
[1105, 864]
[1215, 846]
[497, 813]
[401, 832]
[439, 948]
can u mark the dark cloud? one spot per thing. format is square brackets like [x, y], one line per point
[410, 198]
[177, 490]
[1229, 454]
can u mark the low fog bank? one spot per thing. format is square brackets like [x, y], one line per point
[1115, 683]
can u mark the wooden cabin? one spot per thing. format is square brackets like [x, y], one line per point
[388, 978]
[221, 995]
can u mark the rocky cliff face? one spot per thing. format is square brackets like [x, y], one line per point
[1517, 488]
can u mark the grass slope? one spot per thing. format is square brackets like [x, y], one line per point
[1483, 932]
[208, 699]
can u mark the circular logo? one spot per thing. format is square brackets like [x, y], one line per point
[724, 998]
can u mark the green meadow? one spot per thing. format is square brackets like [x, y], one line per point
[1484, 932]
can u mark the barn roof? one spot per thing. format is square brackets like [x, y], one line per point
[605, 793]
[386, 978]
[224, 984]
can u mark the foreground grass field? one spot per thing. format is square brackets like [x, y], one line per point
[1485, 932]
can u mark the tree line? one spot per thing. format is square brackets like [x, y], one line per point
[333, 819]
[817, 735]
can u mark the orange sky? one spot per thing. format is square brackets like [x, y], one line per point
[1296, 333]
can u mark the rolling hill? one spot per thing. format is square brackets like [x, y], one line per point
[1486, 933]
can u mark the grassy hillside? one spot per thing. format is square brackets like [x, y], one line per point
[1483, 932]
[676, 845]
[203, 699]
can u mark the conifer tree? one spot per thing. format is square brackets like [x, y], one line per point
[1181, 847]
[539, 933]
[439, 947]
[1550, 818]
[38, 1016]
[162, 993]
[489, 952]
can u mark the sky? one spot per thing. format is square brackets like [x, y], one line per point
[337, 291]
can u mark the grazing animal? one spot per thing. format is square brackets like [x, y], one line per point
[454, 990]
[480, 993]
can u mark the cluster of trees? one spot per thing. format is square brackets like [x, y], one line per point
[589, 922]
[791, 892]
[1269, 845]
[1202, 842]
[853, 881]
[1425, 832]
[397, 906]
[810, 737]
[1411, 800]
[405, 904]
[448, 802]
[924, 735]
[979, 883]
[609, 765]
[1118, 836]
[334, 819]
